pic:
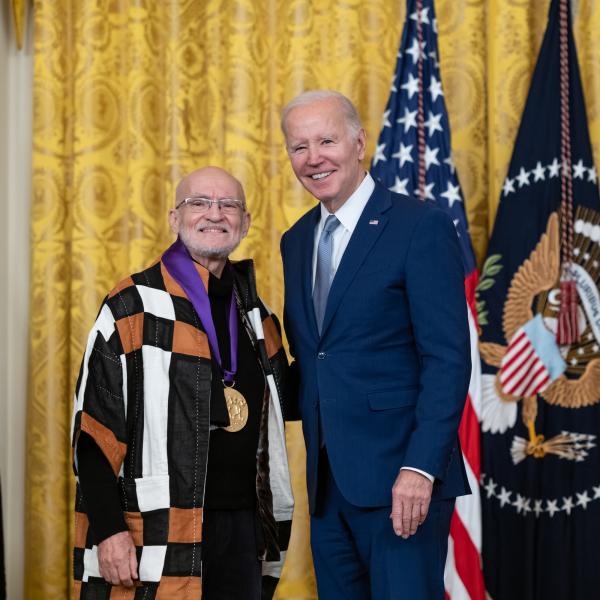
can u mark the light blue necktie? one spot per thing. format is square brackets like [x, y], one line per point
[323, 275]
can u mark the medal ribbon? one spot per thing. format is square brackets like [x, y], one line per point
[181, 267]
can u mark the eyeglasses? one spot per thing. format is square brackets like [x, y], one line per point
[197, 204]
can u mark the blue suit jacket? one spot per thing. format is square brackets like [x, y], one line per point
[389, 374]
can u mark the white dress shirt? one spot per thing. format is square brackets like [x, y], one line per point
[348, 215]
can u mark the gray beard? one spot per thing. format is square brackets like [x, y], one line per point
[211, 253]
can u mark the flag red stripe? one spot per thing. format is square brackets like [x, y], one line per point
[468, 434]
[516, 340]
[467, 561]
[517, 358]
[540, 385]
[513, 344]
[509, 373]
[470, 286]
[523, 373]
[529, 382]
[509, 383]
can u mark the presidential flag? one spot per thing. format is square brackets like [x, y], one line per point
[541, 391]
[413, 157]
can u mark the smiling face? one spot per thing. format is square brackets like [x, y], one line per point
[326, 157]
[212, 236]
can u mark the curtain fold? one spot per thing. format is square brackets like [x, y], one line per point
[131, 94]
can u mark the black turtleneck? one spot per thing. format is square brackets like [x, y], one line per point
[231, 471]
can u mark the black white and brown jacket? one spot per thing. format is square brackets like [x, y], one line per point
[143, 395]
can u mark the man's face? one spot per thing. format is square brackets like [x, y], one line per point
[325, 157]
[213, 234]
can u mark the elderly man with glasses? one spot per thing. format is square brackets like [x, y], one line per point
[178, 440]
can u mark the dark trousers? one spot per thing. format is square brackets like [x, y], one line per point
[357, 555]
[230, 566]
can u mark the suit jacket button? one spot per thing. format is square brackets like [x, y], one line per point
[321, 355]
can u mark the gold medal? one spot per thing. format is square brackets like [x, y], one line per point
[237, 407]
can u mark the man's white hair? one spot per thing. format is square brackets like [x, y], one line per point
[349, 110]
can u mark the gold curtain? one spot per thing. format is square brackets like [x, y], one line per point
[131, 94]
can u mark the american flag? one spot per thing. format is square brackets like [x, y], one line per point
[396, 165]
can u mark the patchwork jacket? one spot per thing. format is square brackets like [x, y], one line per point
[143, 395]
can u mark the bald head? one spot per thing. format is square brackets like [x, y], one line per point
[210, 231]
[201, 181]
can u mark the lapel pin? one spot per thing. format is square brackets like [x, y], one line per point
[374, 222]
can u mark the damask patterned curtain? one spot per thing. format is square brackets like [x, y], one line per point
[130, 95]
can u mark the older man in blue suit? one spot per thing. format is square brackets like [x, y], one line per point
[376, 319]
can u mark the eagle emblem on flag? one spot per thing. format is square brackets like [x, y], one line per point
[533, 363]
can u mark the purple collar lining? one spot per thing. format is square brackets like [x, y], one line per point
[180, 266]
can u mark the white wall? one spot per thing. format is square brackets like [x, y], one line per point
[15, 178]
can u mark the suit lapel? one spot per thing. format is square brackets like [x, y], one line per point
[371, 224]
[307, 238]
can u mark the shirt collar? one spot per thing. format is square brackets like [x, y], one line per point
[349, 213]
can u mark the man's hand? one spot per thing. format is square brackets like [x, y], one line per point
[411, 495]
[117, 559]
